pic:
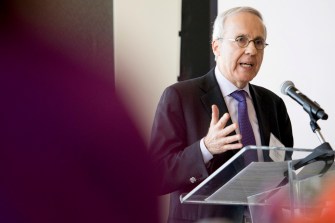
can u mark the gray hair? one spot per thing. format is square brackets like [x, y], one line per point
[218, 27]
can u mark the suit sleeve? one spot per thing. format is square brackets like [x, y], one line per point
[178, 163]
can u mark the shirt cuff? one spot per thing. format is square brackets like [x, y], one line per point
[207, 156]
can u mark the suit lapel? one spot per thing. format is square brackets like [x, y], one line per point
[212, 95]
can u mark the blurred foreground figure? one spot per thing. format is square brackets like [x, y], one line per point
[323, 207]
[315, 202]
[68, 151]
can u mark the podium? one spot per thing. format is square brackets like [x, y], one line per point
[284, 188]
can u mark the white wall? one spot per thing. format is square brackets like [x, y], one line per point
[302, 44]
[147, 48]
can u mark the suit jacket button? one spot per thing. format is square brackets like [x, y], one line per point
[193, 180]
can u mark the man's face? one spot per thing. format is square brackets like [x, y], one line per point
[240, 65]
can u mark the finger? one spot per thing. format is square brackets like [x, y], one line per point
[229, 129]
[232, 146]
[229, 143]
[233, 139]
[223, 120]
[229, 139]
[215, 115]
[220, 147]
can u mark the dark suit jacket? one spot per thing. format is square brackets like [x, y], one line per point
[182, 119]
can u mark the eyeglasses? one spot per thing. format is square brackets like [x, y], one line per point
[243, 41]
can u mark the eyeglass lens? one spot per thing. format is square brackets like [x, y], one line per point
[244, 41]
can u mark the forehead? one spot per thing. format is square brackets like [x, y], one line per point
[244, 23]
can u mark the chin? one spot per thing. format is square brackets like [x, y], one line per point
[246, 78]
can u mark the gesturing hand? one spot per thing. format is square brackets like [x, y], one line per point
[217, 139]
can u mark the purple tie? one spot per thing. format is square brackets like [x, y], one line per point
[248, 137]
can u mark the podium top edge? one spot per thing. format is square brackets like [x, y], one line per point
[277, 148]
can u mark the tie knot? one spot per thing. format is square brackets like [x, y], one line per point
[239, 95]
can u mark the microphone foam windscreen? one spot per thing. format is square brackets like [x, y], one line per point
[286, 85]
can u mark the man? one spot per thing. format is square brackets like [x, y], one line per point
[195, 128]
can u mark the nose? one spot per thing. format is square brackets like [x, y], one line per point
[251, 49]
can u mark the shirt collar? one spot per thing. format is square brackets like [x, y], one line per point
[226, 86]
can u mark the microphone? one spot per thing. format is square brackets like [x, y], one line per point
[311, 107]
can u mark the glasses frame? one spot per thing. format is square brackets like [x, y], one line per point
[249, 40]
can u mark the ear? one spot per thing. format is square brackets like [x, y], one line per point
[216, 48]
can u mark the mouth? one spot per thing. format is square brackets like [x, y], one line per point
[246, 64]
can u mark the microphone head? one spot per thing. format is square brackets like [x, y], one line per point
[285, 86]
